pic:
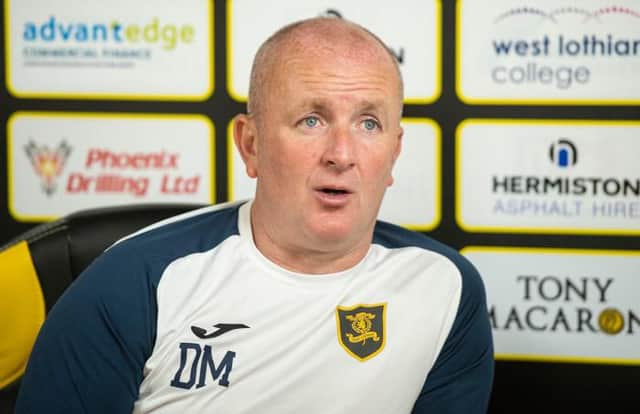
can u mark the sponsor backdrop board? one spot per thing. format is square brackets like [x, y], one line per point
[521, 140]
[416, 45]
[562, 305]
[64, 162]
[145, 49]
[548, 52]
[559, 176]
[412, 201]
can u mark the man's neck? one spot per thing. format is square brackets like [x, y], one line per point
[296, 257]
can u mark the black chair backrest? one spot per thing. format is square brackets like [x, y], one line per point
[37, 266]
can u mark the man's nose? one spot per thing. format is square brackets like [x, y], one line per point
[340, 152]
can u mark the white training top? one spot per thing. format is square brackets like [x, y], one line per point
[189, 317]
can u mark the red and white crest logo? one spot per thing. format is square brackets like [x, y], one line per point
[48, 163]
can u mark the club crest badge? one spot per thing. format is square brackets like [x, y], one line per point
[361, 329]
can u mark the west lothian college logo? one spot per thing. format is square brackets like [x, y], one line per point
[48, 163]
[555, 14]
[361, 329]
[563, 153]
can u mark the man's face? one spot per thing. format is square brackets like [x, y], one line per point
[326, 141]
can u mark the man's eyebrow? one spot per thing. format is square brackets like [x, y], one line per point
[315, 104]
[367, 106]
[319, 104]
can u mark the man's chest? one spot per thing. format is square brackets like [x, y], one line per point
[264, 344]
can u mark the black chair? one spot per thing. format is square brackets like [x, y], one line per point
[37, 266]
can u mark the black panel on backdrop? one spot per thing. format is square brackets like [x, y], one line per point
[550, 387]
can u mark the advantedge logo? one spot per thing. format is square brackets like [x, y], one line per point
[56, 40]
[531, 52]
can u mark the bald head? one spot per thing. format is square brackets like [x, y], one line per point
[313, 37]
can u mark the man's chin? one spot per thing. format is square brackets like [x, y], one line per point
[334, 233]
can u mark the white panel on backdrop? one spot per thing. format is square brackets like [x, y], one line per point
[64, 162]
[414, 198]
[118, 49]
[548, 52]
[410, 28]
[563, 305]
[553, 176]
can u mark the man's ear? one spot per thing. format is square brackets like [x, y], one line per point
[396, 154]
[244, 136]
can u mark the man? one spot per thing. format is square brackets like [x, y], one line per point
[295, 302]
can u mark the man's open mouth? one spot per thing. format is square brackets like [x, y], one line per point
[334, 191]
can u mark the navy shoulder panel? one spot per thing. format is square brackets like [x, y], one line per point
[199, 231]
[91, 350]
[393, 236]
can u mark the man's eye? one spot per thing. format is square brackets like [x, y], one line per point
[370, 124]
[311, 122]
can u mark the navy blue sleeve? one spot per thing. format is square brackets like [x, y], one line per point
[90, 353]
[461, 379]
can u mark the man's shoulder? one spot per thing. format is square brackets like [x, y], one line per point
[393, 236]
[192, 232]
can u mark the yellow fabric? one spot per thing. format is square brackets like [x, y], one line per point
[22, 311]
